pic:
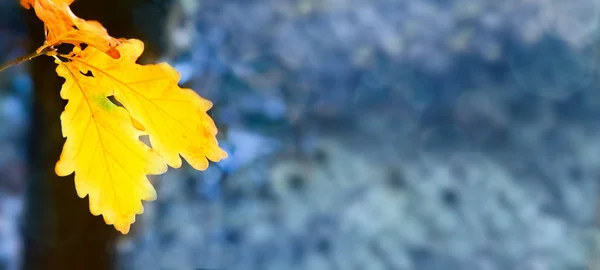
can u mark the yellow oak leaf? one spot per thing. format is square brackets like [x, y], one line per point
[174, 118]
[62, 26]
[103, 147]
[104, 151]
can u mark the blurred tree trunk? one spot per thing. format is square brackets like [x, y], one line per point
[59, 232]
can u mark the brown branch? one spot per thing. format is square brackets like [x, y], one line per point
[22, 59]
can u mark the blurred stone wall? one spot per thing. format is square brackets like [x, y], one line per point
[15, 97]
[385, 135]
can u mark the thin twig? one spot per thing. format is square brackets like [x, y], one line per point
[22, 59]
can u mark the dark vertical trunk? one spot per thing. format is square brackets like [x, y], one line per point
[59, 232]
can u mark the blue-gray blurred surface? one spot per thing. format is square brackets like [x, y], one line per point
[381, 134]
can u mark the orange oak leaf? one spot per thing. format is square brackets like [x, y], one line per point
[103, 147]
[62, 26]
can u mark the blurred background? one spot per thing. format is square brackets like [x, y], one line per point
[381, 134]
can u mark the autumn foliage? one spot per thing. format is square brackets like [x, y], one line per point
[103, 146]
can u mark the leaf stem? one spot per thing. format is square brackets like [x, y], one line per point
[22, 59]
